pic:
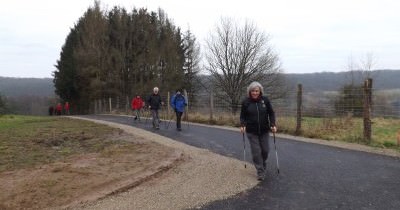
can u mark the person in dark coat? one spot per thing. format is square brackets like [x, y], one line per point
[257, 119]
[178, 103]
[51, 110]
[154, 103]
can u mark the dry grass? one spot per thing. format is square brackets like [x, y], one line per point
[348, 129]
[49, 162]
[26, 141]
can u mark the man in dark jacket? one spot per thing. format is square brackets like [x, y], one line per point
[154, 103]
[257, 118]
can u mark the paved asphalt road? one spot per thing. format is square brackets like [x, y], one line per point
[311, 176]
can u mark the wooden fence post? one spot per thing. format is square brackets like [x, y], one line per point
[367, 109]
[299, 103]
[211, 105]
[109, 103]
[96, 109]
[168, 105]
[100, 105]
[127, 105]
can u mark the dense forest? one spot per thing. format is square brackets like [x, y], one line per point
[117, 54]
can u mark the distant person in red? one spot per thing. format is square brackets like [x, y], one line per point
[66, 108]
[59, 109]
[137, 104]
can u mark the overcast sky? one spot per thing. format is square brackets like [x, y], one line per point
[308, 35]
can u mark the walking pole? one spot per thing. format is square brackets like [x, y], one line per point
[169, 121]
[186, 109]
[244, 151]
[276, 154]
[147, 116]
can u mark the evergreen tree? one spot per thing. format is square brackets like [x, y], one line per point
[116, 55]
[3, 107]
[191, 54]
[65, 78]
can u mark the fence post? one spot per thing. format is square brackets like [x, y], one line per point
[109, 103]
[127, 105]
[367, 109]
[168, 104]
[100, 106]
[211, 105]
[95, 107]
[299, 103]
[188, 105]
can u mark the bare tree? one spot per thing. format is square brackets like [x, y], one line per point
[350, 99]
[367, 65]
[351, 68]
[238, 54]
[360, 71]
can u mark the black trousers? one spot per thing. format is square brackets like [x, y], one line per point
[178, 119]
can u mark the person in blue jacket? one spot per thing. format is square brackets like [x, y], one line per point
[178, 103]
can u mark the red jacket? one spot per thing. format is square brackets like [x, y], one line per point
[66, 106]
[137, 103]
[59, 107]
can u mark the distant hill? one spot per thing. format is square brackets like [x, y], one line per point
[324, 81]
[329, 81]
[14, 87]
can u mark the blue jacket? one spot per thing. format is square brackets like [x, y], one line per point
[178, 102]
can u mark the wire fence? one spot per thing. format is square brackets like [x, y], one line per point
[300, 110]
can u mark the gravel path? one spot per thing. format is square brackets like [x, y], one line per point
[203, 177]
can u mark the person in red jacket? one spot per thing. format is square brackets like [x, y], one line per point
[59, 109]
[66, 108]
[137, 105]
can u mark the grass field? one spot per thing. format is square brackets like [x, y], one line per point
[26, 141]
[51, 162]
[348, 129]
[384, 131]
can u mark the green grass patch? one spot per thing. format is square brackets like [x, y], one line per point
[384, 131]
[27, 141]
[348, 129]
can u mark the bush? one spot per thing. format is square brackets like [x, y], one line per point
[3, 107]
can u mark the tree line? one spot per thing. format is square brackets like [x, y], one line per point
[120, 54]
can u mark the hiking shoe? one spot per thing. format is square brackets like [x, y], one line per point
[260, 177]
[179, 129]
[157, 128]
